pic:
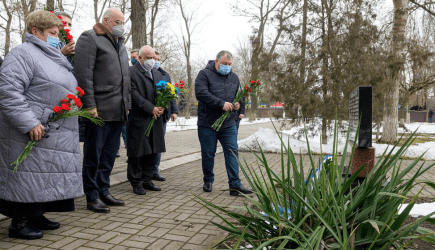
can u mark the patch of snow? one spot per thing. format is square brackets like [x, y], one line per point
[269, 142]
[421, 209]
[188, 124]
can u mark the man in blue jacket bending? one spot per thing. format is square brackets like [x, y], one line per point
[216, 88]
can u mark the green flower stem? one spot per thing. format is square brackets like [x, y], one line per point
[24, 154]
[150, 126]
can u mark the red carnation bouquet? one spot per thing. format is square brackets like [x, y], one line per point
[64, 35]
[180, 86]
[251, 88]
[69, 107]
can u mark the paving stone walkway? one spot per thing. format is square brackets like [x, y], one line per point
[169, 219]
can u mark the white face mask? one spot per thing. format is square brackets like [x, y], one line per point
[148, 64]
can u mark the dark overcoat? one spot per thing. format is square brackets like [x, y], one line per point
[101, 69]
[143, 102]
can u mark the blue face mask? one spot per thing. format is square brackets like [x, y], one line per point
[53, 41]
[133, 61]
[225, 69]
[157, 65]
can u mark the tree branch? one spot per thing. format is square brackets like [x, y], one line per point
[423, 7]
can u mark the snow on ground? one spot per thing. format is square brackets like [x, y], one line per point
[187, 124]
[421, 209]
[423, 128]
[269, 141]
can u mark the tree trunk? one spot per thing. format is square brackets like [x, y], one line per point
[389, 134]
[60, 5]
[8, 27]
[154, 11]
[378, 132]
[138, 23]
[324, 131]
[50, 5]
[97, 19]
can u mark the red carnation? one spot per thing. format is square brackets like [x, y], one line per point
[252, 81]
[258, 80]
[65, 107]
[181, 82]
[64, 100]
[80, 90]
[71, 96]
[176, 85]
[182, 86]
[59, 17]
[78, 102]
[247, 94]
[246, 87]
[249, 90]
[259, 84]
[57, 109]
[51, 12]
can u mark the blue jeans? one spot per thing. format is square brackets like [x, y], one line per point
[237, 124]
[430, 119]
[228, 138]
[124, 136]
[159, 155]
[99, 151]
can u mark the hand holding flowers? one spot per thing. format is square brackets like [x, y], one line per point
[251, 88]
[69, 107]
[165, 93]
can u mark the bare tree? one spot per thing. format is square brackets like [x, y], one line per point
[97, 14]
[263, 12]
[154, 10]
[9, 13]
[186, 47]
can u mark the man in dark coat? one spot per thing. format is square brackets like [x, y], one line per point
[142, 150]
[101, 69]
[216, 88]
[170, 113]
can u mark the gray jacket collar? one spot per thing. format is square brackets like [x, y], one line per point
[52, 53]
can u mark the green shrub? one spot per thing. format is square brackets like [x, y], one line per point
[327, 212]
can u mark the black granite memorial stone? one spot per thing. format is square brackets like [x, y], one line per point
[360, 106]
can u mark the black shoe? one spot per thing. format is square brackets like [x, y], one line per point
[207, 187]
[117, 154]
[158, 177]
[151, 186]
[240, 189]
[23, 230]
[98, 206]
[111, 201]
[42, 223]
[139, 191]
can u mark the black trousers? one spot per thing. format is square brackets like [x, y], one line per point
[99, 156]
[140, 169]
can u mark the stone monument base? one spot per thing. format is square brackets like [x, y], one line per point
[361, 157]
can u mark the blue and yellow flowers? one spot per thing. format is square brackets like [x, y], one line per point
[166, 92]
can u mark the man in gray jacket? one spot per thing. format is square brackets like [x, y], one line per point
[101, 69]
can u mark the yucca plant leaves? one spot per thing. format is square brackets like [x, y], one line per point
[325, 211]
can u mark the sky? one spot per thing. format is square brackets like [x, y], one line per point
[218, 30]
